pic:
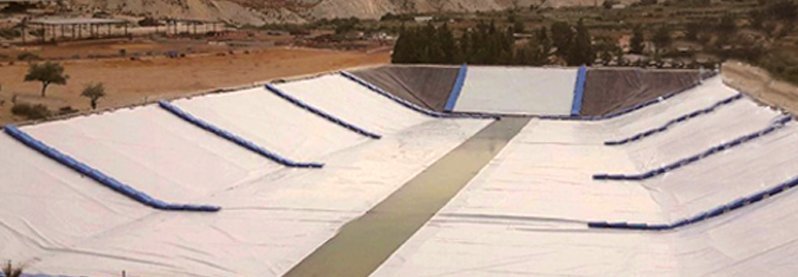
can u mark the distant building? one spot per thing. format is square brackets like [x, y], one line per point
[423, 19]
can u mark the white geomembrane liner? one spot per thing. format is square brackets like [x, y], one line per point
[267, 225]
[517, 90]
[47, 207]
[526, 212]
[273, 123]
[374, 112]
[271, 217]
[154, 151]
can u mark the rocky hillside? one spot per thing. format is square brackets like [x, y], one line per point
[258, 12]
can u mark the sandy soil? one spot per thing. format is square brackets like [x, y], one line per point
[757, 83]
[129, 82]
[83, 49]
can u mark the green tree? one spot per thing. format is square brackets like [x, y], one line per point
[447, 44]
[727, 24]
[562, 35]
[636, 43]
[544, 41]
[662, 38]
[533, 53]
[581, 51]
[693, 29]
[782, 10]
[466, 51]
[47, 73]
[94, 92]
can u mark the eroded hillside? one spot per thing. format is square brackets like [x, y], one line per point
[255, 12]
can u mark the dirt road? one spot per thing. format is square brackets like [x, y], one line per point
[129, 82]
[757, 83]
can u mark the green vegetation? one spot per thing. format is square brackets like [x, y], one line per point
[94, 92]
[47, 73]
[32, 112]
[10, 33]
[28, 56]
[670, 34]
[488, 44]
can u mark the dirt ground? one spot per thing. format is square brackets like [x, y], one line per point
[108, 48]
[757, 83]
[136, 81]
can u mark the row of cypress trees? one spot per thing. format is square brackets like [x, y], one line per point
[490, 45]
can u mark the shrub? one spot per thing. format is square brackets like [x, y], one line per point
[66, 110]
[28, 56]
[37, 111]
[10, 33]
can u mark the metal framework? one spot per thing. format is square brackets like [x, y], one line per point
[76, 27]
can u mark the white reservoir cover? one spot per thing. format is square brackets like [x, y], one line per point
[517, 90]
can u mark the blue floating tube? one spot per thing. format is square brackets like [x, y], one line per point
[408, 104]
[233, 138]
[776, 125]
[579, 91]
[675, 121]
[320, 113]
[716, 212]
[100, 177]
[599, 225]
[457, 88]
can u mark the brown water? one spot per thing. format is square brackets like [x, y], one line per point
[363, 244]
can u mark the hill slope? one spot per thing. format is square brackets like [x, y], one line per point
[258, 12]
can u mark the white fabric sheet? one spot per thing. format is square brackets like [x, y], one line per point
[517, 90]
[526, 212]
[273, 123]
[363, 108]
[272, 217]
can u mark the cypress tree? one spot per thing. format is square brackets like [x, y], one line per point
[582, 50]
[662, 38]
[447, 44]
[562, 36]
[465, 47]
[636, 43]
[401, 49]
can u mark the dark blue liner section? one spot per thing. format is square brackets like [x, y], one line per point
[320, 113]
[457, 88]
[676, 121]
[778, 124]
[579, 91]
[406, 103]
[734, 205]
[100, 177]
[234, 138]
